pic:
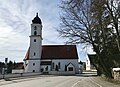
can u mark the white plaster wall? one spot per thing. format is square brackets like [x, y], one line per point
[35, 47]
[87, 64]
[64, 62]
[39, 29]
[30, 67]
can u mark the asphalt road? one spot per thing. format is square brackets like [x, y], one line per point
[84, 80]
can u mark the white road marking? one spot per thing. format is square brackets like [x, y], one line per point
[90, 80]
[95, 83]
[75, 84]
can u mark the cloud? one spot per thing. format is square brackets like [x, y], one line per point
[15, 25]
[15, 19]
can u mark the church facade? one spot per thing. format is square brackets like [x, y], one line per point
[49, 58]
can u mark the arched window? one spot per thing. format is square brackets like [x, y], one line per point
[87, 61]
[53, 65]
[33, 64]
[59, 65]
[33, 70]
[34, 40]
[35, 28]
[35, 32]
[34, 53]
[65, 67]
[70, 69]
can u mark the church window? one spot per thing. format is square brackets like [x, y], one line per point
[35, 32]
[70, 69]
[53, 65]
[35, 28]
[34, 40]
[87, 61]
[34, 53]
[59, 65]
[33, 70]
[46, 68]
[33, 64]
[65, 67]
[56, 68]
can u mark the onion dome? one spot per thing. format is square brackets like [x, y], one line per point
[36, 20]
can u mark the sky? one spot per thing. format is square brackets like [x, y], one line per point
[15, 24]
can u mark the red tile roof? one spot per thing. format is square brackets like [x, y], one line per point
[27, 54]
[57, 52]
[19, 65]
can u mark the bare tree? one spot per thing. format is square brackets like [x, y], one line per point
[87, 21]
[113, 7]
[76, 21]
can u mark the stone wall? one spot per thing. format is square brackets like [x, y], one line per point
[116, 73]
[62, 72]
[18, 75]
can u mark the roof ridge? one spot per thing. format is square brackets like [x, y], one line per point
[58, 45]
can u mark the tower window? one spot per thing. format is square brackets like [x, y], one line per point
[34, 53]
[33, 64]
[35, 32]
[35, 28]
[33, 70]
[34, 40]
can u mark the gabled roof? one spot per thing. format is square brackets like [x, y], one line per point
[57, 52]
[69, 64]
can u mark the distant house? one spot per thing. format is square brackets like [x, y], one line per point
[82, 66]
[19, 65]
[49, 58]
[91, 62]
[18, 68]
[88, 65]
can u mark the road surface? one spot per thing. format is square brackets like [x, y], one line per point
[84, 80]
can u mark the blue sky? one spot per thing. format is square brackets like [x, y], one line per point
[15, 21]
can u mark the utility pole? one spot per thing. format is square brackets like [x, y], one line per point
[4, 69]
[6, 60]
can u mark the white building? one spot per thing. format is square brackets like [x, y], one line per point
[49, 58]
[87, 64]
[90, 62]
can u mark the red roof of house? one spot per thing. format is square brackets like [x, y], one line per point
[19, 65]
[57, 52]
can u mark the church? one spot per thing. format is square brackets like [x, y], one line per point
[51, 59]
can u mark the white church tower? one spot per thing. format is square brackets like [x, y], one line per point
[33, 64]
